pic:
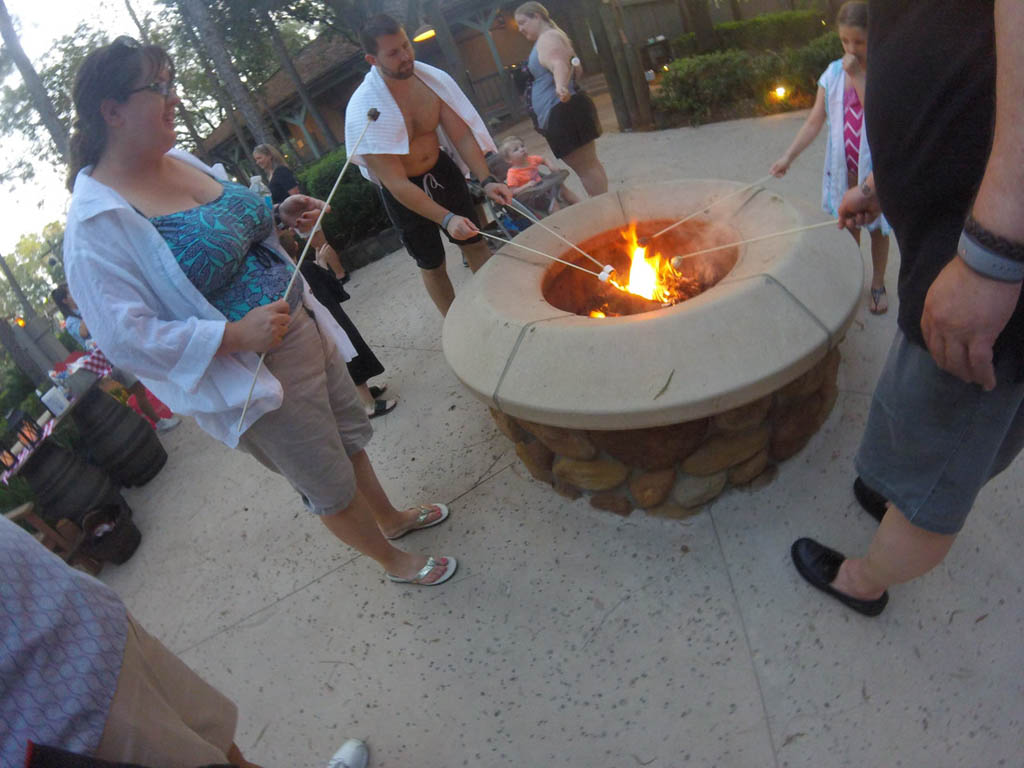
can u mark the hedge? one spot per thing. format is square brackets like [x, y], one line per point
[735, 83]
[356, 210]
[771, 31]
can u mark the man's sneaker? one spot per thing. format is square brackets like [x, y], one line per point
[166, 425]
[353, 754]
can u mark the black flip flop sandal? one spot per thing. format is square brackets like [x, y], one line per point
[380, 407]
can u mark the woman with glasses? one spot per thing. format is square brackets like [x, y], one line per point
[180, 277]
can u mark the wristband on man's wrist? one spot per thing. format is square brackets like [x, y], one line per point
[490, 180]
[987, 262]
[990, 241]
[445, 221]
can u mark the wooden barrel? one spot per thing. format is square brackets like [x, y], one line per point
[118, 439]
[65, 485]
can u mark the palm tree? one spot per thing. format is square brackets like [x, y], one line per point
[40, 98]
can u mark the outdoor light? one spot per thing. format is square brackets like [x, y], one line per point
[425, 32]
[780, 92]
[20, 321]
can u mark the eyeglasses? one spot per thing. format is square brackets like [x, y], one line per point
[164, 87]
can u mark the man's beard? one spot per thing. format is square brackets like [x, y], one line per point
[397, 74]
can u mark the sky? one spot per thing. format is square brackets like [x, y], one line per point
[28, 207]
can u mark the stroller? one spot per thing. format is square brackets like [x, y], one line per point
[532, 204]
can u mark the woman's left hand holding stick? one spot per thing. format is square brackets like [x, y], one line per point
[260, 330]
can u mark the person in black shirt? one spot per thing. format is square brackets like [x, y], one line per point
[282, 181]
[946, 118]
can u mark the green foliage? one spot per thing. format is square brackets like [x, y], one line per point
[734, 83]
[769, 32]
[30, 264]
[356, 208]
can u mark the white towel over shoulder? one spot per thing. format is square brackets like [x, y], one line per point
[388, 135]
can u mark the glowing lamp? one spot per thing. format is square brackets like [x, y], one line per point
[20, 321]
[425, 32]
[780, 92]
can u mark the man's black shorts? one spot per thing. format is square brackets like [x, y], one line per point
[446, 186]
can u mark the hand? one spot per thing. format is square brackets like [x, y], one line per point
[461, 228]
[851, 65]
[779, 167]
[498, 192]
[964, 312]
[259, 331]
[858, 209]
[562, 92]
[301, 211]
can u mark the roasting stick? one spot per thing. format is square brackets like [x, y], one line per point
[522, 209]
[371, 116]
[606, 270]
[677, 261]
[643, 241]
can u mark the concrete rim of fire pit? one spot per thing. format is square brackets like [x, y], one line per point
[784, 305]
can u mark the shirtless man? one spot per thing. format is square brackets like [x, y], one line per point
[424, 189]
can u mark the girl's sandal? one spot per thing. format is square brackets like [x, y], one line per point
[449, 563]
[879, 303]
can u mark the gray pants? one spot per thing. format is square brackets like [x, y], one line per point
[932, 441]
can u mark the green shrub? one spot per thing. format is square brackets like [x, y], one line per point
[769, 32]
[356, 210]
[699, 86]
[772, 31]
[735, 83]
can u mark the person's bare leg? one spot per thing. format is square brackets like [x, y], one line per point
[568, 196]
[899, 552]
[476, 254]
[235, 757]
[391, 520]
[139, 390]
[364, 396]
[587, 166]
[439, 287]
[355, 525]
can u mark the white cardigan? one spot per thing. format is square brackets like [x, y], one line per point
[833, 180]
[148, 317]
[388, 135]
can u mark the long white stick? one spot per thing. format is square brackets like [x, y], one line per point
[541, 253]
[522, 209]
[678, 260]
[645, 240]
[372, 115]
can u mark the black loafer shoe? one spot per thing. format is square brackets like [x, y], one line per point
[819, 565]
[870, 500]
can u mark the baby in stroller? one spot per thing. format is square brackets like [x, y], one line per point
[533, 181]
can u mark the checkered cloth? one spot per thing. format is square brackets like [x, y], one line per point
[23, 457]
[95, 361]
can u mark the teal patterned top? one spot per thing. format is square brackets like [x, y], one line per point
[218, 246]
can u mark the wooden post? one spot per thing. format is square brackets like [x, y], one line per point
[635, 71]
[607, 59]
[456, 67]
[508, 91]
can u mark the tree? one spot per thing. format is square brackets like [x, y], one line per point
[288, 67]
[37, 90]
[195, 13]
[36, 266]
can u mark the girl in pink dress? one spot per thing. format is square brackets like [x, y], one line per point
[839, 104]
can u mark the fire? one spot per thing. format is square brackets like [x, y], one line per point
[651, 277]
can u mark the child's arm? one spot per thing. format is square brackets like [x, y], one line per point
[807, 133]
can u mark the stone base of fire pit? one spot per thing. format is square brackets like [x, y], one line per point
[671, 406]
[673, 471]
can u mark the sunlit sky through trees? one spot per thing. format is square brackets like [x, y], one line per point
[30, 206]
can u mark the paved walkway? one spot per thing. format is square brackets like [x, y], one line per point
[569, 636]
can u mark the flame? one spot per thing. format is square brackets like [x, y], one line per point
[649, 276]
[597, 313]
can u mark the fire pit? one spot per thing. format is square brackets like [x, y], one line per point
[660, 402]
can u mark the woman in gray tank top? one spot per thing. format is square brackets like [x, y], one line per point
[563, 113]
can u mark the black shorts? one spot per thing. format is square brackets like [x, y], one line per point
[572, 124]
[446, 186]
